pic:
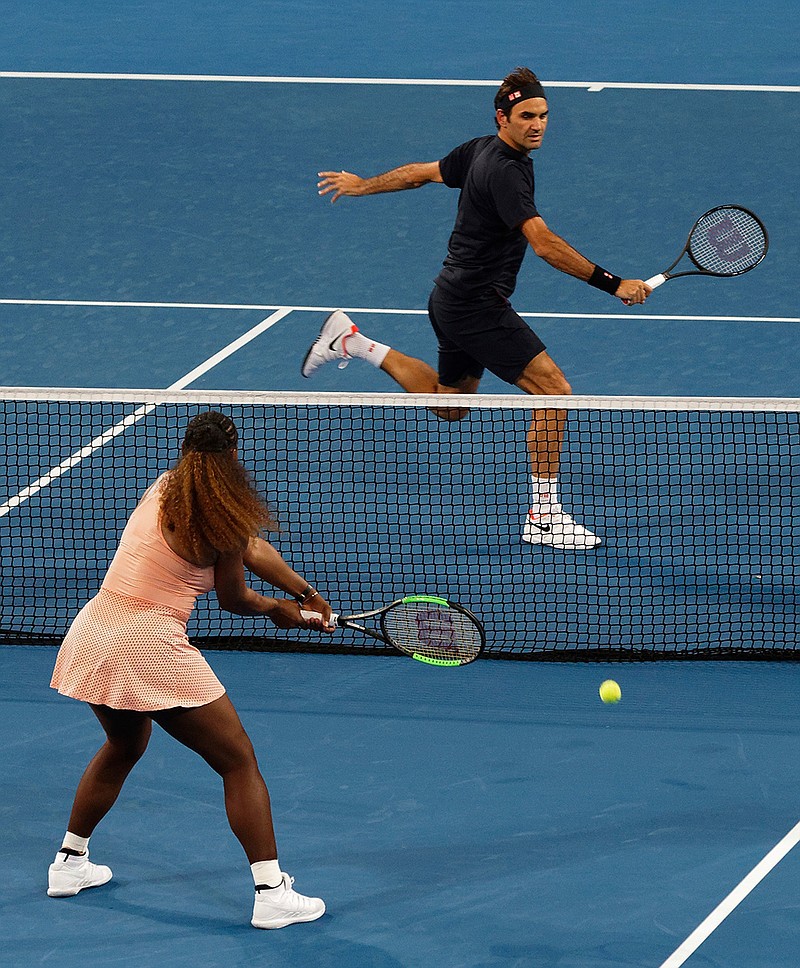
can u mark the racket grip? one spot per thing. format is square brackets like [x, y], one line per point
[654, 282]
[310, 616]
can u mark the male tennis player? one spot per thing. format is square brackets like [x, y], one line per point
[474, 322]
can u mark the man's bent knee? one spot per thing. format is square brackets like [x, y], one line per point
[543, 376]
[452, 414]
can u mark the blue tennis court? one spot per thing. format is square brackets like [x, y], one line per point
[498, 815]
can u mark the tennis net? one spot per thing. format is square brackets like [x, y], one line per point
[695, 500]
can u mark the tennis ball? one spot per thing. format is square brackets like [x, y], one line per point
[610, 691]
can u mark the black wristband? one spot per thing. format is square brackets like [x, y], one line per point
[605, 280]
[305, 594]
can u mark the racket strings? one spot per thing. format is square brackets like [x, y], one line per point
[727, 242]
[435, 631]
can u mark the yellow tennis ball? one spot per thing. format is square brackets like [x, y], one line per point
[610, 691]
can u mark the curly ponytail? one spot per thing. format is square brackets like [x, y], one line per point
[207, 499]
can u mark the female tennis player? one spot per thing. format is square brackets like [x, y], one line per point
[128, 656]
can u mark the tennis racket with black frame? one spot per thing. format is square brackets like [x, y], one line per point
[726, 241]
[428, 628]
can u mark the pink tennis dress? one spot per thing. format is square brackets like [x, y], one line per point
[127, 648]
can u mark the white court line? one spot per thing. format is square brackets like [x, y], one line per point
[592, 86]
[263, 307]
[259, 307]
[737, 895]
[108, 435]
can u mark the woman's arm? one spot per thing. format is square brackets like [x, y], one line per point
[269, 565]
[235, 595]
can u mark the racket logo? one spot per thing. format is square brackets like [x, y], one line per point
[435, 629]
[727, 241]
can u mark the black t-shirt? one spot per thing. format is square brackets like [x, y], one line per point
[486, 247]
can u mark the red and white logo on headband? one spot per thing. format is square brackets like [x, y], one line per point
[515, 95]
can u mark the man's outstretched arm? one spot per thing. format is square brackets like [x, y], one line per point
[397, 180]
[561, 255]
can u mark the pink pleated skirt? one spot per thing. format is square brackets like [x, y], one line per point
[130, 654]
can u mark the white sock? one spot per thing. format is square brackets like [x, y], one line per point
[266, 872]
[544, 494]
[74, 842]
[364, 348]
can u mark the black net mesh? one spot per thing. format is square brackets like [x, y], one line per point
[696, 503]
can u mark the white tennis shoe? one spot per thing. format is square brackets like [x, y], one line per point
[330, 344]
[275, 907]
[557, 529]
[70, 873]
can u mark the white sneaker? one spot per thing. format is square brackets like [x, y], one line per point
[558, 529]
[69, 874]
[275, 907]
[329, 345]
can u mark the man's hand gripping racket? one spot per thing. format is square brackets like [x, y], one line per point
[429, 628]
[727, 241]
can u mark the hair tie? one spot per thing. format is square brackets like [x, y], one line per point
[210, 433]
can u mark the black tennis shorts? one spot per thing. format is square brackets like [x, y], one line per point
[478, 335]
